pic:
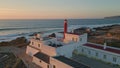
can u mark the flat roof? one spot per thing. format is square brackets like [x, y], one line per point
[43, 57]
[70, 62]
[102, 48]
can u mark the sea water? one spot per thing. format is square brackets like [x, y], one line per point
[10, 29]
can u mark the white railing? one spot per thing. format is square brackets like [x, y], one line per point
[106, 46]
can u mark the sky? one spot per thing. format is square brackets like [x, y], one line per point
[58, 9]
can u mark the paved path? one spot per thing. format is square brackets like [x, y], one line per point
[92, 62]
[21, 53]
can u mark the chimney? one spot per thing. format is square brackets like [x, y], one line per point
[105, 46]
[65, 27]
[35, 36]
[38, 36]
[72, 30]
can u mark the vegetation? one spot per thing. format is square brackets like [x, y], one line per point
[12, 62]
[19, 42]
[75, 52]
[19, 64]
[108, 34]
[114, 44]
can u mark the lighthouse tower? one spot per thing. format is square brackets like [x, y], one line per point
[65, 27]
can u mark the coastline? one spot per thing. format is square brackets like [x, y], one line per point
[9, 37]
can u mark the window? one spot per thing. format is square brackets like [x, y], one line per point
[104, 56]
[76, 39]
[114, 59]
[54, 66]
[96, 54]
[89, 52]
[40, 61]
[38, 45]
[32, 43]
[72, 39]
[82, 50]
[80, 39]
[47, 66]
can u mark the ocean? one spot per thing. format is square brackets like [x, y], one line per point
[10, 29]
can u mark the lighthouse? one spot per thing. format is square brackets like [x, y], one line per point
[65, 27]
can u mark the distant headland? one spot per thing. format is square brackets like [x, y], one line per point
[112, 17]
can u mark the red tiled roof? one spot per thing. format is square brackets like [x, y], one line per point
[102, 48]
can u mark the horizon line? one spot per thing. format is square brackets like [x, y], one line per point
[49, 18]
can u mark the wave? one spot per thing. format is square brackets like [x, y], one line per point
[5, 29]
[42, 29]
[49, 28]
[10, 37]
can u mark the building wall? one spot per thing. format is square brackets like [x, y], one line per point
[58, 64]
[43, 48]
[99, 54]
[40, 62]
[76, 38]
[53, 62]
[67, 50]
[83, 38]
[51, 51]
[31, 51]
[71, 37]
[36, 43]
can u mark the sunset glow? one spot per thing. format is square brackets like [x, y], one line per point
[55, 9]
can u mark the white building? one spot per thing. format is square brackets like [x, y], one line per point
[50, 52]
[107, 54]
